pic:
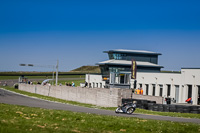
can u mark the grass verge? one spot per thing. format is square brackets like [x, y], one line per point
[141, 111]
[27, 119]
[41, 77]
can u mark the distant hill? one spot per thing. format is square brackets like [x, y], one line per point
[87, 69]
[78, 71]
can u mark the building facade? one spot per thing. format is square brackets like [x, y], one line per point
[116, 73]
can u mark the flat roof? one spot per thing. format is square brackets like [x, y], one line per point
[128, 63]
[190, 68]
[132, 51]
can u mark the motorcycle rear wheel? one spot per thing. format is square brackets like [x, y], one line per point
[130, 110]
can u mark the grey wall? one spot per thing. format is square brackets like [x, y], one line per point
[158, 99]
[126, 93]
[97, 96]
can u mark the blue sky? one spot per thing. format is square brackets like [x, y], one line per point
[77, 32]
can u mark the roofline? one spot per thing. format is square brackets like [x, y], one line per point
[127, 65]
[139, 52]
[190, 68]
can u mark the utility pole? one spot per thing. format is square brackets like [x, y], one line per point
[57, 73]
[53, 76]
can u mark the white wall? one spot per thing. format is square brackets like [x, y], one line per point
[94, 80]
[180, 80]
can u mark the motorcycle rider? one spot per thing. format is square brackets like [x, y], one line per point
[124, 107]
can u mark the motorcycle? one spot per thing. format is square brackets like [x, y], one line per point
[127, 108]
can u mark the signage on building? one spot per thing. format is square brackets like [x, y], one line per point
[133, 69]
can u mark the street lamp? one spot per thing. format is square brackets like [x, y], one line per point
[31, 65]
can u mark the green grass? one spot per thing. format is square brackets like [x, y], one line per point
[92, 69]
[14, 119]
[141, 111]
[8, 77]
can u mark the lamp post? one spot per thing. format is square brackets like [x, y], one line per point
[47, 66]
[57, 73]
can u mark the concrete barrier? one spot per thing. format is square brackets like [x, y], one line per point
[97, 96]
[126, 93]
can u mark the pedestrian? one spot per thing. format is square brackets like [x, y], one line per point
[73, 84]
[86, 84]
[138, 91]
[141, 91]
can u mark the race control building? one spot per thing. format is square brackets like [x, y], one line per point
[116, 73]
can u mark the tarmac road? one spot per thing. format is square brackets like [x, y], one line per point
[18, 99]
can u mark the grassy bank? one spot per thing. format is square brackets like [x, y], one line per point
[40, 73]
[14, 119]
[42, 77]
[142, 111]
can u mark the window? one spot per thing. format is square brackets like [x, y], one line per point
[147, 89]
[97, 85]
[90, 85]
[161, 90]
[154, 90]
[100, 85]
[110, 56]
[119, 78]
[93, 85]
[189, 91]
[168, 90]
[117, 56]
[140, 85]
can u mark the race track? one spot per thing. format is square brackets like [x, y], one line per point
[18, 99]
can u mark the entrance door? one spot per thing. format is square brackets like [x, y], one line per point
[122, 78]
[189, 91]
[147, 89]
[154, 90]
[161, 90]
[176, 93]
[168, 90]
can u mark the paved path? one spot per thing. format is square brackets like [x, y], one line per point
[17, 99]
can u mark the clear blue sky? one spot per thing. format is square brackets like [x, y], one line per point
[76, 32]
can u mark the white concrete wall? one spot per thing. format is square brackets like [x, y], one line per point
[97, 96]
[182, 80]
[191, 77]
[94, 80]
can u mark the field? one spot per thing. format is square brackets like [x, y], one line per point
[22, 119]
[26, 119]
[42, 77]
[63, 79]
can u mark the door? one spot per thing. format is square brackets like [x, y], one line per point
[154, 90]
[176, 93]
[161, 90]
[147, 89]
[122, 78]
[189, 91]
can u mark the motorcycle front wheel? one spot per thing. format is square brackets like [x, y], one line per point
[117, 110]
[130, 110]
